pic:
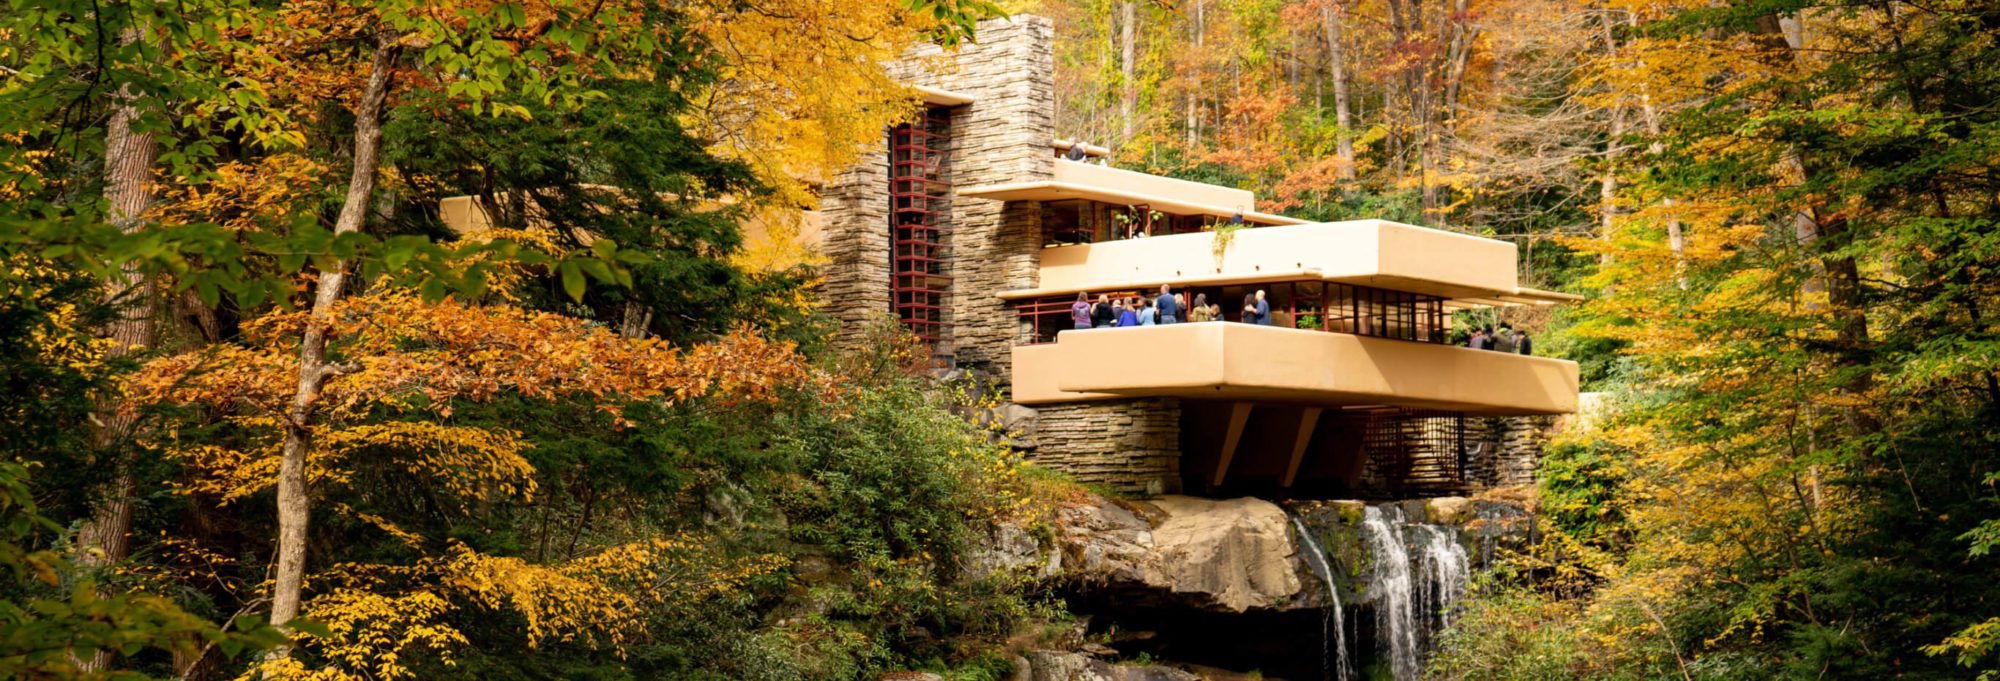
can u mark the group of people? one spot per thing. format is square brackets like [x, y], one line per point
[1505, 340]
[1166, 308]
[1172, 308]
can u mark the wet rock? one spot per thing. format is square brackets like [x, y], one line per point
[1448, 510]
[1413, 508]
[1349, 511]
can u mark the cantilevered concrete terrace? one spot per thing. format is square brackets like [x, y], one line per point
[1265, 364]
[1358, 320]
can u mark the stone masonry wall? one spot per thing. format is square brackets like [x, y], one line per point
[1128, 445]
[1503, 451]
[1002, 136]
[855, 210]
[1514, 446]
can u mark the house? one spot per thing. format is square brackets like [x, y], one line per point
[974, 232]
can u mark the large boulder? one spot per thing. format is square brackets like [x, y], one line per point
[1228, 554]
[1011, 549]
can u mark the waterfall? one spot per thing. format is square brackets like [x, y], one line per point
[1448, 571]
[1414, 572]
[1391, 584]
[1420, 571]
[1333, 623]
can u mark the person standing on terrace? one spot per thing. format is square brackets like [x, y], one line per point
[1148, 315]
[1102, 315]
[1250, 308]
[1200, 311]
[1523, 343]
[1079, 312]
[1505, 341]
[1263, 309]
[1127, 317]
[1077, 152]
[1168, 305]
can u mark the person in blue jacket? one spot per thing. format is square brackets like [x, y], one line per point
[1168, 305]
[1128, 315]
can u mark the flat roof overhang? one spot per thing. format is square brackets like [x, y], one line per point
[940, 96]
[1075, 180]
[1264, 364]
[1468, 271]
[1051, 190]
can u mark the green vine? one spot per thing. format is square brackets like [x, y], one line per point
[1225, 234]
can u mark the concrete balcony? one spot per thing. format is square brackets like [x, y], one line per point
[1263, 364]
[1386, 255]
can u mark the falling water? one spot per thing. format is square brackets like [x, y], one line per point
[1333, 624]
[1415, 575]
[1447, 572]
[1420, 571]
[1391, 583]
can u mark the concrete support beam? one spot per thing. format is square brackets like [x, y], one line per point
[1239, 414]
[1307, 421]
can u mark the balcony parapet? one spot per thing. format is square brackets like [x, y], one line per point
[1252, 363]
[1377, 253]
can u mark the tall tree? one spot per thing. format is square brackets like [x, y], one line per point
[1128, 69]
[1333, 16]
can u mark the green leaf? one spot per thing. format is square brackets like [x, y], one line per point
[308, 627]
[572, 279]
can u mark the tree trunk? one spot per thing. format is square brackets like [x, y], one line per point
[1826, 238]
[1194, 79]
[129, 155]
[1676, 241]
[294, 502]
[1650, 116]
[1607, 189]
[1336, 64]
[1423, 113]
[1127, 67]
[1607, 193]
[1399, 29]
[636, 319]
[1457, 55]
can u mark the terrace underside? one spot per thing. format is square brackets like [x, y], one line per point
[1280, 450]
[1236, 362]
[1294, 412]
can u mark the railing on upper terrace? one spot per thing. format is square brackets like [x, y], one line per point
[1313, 305]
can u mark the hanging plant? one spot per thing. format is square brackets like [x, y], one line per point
[1225, 234]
